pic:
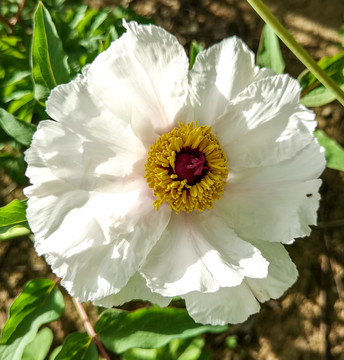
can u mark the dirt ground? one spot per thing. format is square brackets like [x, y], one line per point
[307, 323]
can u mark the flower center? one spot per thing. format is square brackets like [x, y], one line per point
[190, 167]
[187, 168]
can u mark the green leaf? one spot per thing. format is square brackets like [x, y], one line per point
[193, 351]
[16, 82]
[78, 346]
[77, 16]
[49, 61]
[141, 354]
[195, 48]
[13, 217]
[39, 347]
[86, 20]
[9, 46]
[14, 233]
[15, 95]
[313, 92]
[269, 53]
[40, 303]
[110, 37]
[97, 22]
[19, 130]
[147, 328]
[334, 153]
[55, 352]
[176, 349]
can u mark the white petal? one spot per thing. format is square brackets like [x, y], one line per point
[273, 212]
[226, 306]
[307, 164]
[144, 71]
[55, 153]
[274, 203]
[263, 73]
[136, 289]
[104, 137]
[265, 124]
[198, 252]
[58, 155]
[218, 75]
[235, 304]
[282, 272]
[80, 229]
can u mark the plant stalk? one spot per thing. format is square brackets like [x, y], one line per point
[90, 330]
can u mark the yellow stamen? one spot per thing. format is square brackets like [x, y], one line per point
[162, 177]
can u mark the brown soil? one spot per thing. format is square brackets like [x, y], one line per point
[307, 323]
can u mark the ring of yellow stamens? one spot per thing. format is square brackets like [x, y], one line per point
[211, 177]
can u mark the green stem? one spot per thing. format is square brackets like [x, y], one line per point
[263, 11]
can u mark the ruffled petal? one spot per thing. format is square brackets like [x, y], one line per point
[142, 77]
[263, 73]
[307, 164]
[136, 289]
[95, 242]
[59, 158]
[226, 306]
[272, 212]
[59, 155]
[265, 124]
[282, 272]
[235, 304]
[55, 153]
[219, 74]
[274, 203]
[198, 252]
[107, 145]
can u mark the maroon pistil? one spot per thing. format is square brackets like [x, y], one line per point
[190, 167]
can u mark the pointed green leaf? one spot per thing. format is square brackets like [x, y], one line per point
[77, 15]
[86, 20]
[313, 92]
[97, 22]
[78, 346]
[9, 47]
[269, 53]
[49, 61]
[195, 48]
[19, 130]
[147, 328]
[41, 302]
[39, 347]
[334, 153]
[23, 107]
[13, 217]
[55, 352]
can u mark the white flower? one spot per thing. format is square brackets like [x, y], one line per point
[204, 213]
